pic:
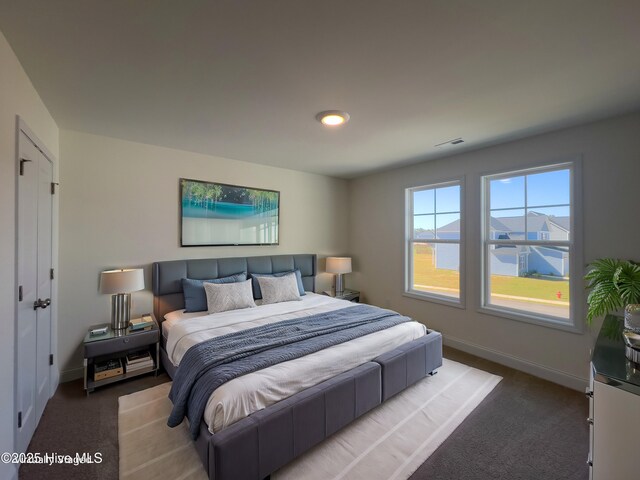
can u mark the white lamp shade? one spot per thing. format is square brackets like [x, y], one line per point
[338, 265]
[126, 280]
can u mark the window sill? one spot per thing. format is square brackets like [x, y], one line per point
[532, 319]
[428, 297]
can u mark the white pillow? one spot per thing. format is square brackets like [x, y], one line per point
[228, 296]
[279, 289]
[177, 315]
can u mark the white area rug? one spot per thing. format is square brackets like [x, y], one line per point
[390, 442]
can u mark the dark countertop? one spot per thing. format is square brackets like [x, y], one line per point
[609, 359]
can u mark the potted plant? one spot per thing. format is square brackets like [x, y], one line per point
[614, 284]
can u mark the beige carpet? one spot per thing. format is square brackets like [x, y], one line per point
[390, 442]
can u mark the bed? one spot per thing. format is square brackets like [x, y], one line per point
[255, 424]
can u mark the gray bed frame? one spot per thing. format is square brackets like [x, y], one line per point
[260, 444]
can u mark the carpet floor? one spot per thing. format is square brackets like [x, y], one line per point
[526, 428]
[388, 443]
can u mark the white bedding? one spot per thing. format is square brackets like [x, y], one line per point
[245, 395]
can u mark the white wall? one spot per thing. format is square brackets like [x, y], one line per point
[17, 97]
[120, 207]
[611, 174]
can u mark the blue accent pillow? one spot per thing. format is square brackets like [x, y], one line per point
[195, 299]
[257, 294]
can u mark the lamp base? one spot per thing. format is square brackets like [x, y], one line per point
[339, 284]
[120, 311]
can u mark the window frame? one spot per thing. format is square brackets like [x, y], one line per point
[409, 241]
[576, 271]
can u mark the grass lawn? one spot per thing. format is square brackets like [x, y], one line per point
[425, 273]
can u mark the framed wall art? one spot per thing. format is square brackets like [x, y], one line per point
[217, 214]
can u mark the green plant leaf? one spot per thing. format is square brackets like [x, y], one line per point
[613, 283]
[603, 298]
[627, 282]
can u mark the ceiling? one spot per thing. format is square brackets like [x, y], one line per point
[244, 79]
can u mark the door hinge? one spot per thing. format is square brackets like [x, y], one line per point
[51, 274]
[22, 162]
[19, 419]
[51, 359]
[53, 187]
[20, 293]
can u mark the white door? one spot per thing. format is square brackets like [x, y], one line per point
[43, 344]
[33, 329]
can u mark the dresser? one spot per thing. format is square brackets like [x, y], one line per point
[614, 407]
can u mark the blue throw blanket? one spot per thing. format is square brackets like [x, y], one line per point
[209, 364]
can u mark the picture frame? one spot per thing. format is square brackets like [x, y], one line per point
[217, 214]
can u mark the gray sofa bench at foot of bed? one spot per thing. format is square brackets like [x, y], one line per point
[260, 444]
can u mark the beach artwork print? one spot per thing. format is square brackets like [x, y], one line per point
[215, 214]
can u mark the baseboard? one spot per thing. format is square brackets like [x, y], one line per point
[70, 375]
[55, 380]
[537, 370]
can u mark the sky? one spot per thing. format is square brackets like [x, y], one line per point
[543, 189]
[444, 201]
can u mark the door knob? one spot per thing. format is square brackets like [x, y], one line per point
[41, 303]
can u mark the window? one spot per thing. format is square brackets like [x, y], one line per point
[433, 242]
[528, 243]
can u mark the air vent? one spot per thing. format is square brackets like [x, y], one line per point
[455, 141]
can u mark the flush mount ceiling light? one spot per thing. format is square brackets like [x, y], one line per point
[332, 118]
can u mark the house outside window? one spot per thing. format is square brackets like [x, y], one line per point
[529, 243]
[434, 234]
[523, 263]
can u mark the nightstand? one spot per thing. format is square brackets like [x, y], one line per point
[115, 345]
[351, 295]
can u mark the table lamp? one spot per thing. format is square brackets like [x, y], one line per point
[120, 283]
[339, 266]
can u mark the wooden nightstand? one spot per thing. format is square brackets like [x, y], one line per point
[351, 295]
[115, 345]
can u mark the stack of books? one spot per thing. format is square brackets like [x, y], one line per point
[107, 369]
[139, 361]
[145, 322]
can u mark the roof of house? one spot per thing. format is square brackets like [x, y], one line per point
[562, 222]
[536, 222]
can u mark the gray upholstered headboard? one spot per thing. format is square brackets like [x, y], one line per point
[167, 286]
